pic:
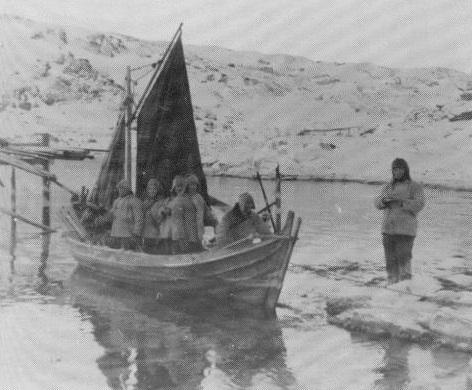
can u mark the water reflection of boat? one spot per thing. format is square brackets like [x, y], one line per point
[151, 346]
[167, 146]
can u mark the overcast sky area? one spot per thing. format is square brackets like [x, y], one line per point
[397, 33]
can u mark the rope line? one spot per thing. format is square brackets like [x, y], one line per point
[152, 65]
[143, 75]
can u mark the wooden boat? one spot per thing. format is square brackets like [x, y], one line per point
[249, 270]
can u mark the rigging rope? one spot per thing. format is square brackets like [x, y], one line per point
[143, 75]
[152, 65]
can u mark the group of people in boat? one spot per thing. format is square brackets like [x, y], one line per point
[172, 225]
[159, 224]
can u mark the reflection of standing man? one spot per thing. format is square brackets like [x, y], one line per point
[401, 199]
[395, 368]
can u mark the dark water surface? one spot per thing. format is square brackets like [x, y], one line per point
[68, 331]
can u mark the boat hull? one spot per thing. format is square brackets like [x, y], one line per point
[249, 273]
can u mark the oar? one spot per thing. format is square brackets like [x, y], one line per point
[258, 176]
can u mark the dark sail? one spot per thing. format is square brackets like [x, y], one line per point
[167, 142]
[112, 170]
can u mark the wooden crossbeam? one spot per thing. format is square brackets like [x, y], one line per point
[42, 151]
[5, 158]
[17, 163]
[59, 184]
[26, 220]
[22, 153]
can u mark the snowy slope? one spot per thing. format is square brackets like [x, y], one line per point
[252, 111]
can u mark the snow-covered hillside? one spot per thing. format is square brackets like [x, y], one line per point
[317, 119]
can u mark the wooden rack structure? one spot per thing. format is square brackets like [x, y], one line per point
[35, 158]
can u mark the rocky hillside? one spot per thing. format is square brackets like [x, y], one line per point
[317, 119]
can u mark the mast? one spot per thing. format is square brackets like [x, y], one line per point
[129, 109]
[278, 200]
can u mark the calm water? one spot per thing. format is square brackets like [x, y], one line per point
[68, 331]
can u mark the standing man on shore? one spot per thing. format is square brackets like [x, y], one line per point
[401, 200]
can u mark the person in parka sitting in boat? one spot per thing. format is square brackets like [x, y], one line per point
[91, 219]
[401, 200]
[240, 222]
[127, 219]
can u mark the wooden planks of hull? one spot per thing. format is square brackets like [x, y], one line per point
[243, 275]
[252, 272]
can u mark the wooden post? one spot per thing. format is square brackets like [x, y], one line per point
[278, 200]
[129, 112]
[46, 211]
[258, 177]
[13, 210]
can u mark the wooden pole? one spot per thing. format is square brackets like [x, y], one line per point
[278, 200]
[13, 210]
[258, 176]
[129, 107]
[46, 212]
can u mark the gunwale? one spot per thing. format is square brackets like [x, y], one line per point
[142, 259]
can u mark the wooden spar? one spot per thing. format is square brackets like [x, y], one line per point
[278, 199]
[258, 176]
[25, 166]
[23, 153]
[45, 152]
[14, 162]
[97, 150]
[59, 184]
[26, 220]
[13, 212]
[128, 108]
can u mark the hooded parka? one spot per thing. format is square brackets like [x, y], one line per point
[127, 214]
[401, 217]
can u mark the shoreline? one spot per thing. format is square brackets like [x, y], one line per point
[434, 186]
[313, 178]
